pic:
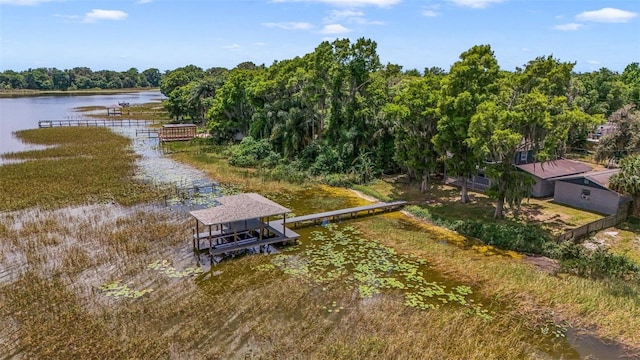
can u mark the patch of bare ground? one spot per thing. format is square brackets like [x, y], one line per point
[546, 264]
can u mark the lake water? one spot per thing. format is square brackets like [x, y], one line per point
[22, 113]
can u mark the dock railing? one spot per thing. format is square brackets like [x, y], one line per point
[97, 122]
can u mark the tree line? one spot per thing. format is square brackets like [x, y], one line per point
[78, 78]
[340, 110]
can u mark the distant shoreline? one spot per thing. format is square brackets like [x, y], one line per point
[29, 92]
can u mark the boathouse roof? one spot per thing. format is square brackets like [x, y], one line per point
[239, 207]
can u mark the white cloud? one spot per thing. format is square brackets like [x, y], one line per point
[334, 29]
[350, 3]
[350, 17]
[593, 62]
[337, 15]
[475, 4]
[233, 47]
[144, 1]
[568, 27]
[260, 44]
[430, 13]
[289, 25]
[607, 15]
[99, 14]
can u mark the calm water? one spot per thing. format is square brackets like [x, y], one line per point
[24, 112]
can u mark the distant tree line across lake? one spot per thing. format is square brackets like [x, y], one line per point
[78, 78]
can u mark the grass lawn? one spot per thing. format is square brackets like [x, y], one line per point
[443, 201]
[623, 239]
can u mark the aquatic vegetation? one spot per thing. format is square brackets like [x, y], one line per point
[87, 164]
[119, 290]
[164, 266]
[338, 254]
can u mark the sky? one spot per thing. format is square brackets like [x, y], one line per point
[167, 34]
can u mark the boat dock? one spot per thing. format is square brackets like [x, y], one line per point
[241, 222]
[97, 122]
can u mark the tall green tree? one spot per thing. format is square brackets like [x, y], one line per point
[625, 138]
[627, 181]
[414, 114]
[233, 106]
[471, 81]
[530, 113]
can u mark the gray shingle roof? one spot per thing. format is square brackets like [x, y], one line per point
[599, 177]
[239, 207]
[555, 168]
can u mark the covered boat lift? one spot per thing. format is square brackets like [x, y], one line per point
[240, 222]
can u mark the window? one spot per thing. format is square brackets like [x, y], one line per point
[586, 194]
[523, 156]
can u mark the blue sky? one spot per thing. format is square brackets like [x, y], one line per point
[166, 34]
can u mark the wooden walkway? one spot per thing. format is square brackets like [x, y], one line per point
[97, 122]
[337, 215]
[152, 133]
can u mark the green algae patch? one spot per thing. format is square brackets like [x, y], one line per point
[164, 267]
[117, 290]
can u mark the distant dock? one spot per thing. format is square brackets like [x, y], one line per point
[97, 122]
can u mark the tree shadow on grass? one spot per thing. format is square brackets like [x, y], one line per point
[443, 202]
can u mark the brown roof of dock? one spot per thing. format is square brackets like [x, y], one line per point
[239, 207]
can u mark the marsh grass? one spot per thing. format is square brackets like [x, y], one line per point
[56, 308]
[83, 165]
[608, 306]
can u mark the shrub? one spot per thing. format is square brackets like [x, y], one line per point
[338, 180]
[597, 263]
[250, 152]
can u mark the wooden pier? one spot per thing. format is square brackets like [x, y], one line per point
[152, 133]
[97, 122]
[240, 222]
[337, 215]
